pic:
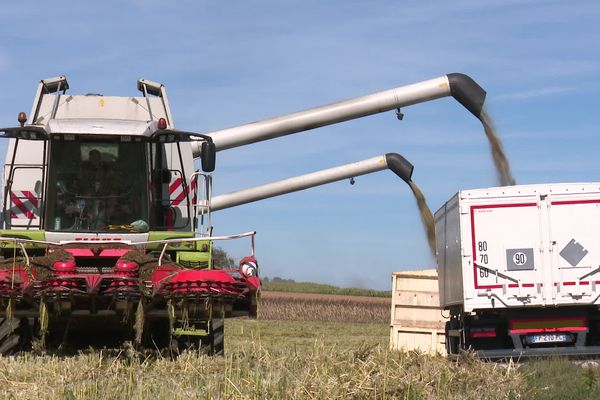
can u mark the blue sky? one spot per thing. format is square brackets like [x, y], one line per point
[226, 64]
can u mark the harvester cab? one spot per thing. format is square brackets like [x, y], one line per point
[104, 215]
[92, 164]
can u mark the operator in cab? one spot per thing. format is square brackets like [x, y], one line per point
[96, 183]
[97, 177]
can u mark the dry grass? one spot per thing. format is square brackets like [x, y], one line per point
[257, 367]
[292, 360]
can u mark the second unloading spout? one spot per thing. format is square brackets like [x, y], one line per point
[395, 162]
[400, 166]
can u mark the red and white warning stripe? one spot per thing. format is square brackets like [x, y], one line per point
[177, 194]
[24, 205]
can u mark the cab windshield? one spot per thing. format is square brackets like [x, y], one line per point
[97, 185]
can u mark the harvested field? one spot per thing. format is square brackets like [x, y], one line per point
[289, 306]
[291, 360]
[265, 360]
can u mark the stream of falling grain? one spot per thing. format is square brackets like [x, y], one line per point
[426, 216]
[503, 173]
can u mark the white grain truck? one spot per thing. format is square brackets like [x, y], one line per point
[519, 270]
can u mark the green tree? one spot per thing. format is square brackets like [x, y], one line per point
[221, 259]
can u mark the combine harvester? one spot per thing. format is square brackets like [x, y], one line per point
[99, 215]
[107, 224]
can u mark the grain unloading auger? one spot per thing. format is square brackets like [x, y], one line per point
[392, 161]
[107, 224]
[464, 89]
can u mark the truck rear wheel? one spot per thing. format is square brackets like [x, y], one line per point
[453, 337]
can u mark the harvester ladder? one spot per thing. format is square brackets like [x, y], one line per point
[201, 201]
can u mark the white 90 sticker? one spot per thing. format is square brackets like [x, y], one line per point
[520, 258]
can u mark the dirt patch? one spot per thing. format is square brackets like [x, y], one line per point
[41, 273]
[48, 260]
[8, 263]
[41, 266]
[36, 271]
[147, 264]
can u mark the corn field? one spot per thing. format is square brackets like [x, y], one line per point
[287, 306]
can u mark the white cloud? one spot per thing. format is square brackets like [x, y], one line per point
[534, 93]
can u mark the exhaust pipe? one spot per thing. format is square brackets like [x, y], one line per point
[395, 162]
[464, 89]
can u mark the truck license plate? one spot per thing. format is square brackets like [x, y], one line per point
[549, 338]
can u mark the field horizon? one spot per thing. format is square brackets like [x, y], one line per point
[278, 284]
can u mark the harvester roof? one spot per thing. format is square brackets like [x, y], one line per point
[140, 118]
[134, 130]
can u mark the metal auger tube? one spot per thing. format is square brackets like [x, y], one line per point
[395, 162]
[464, 89]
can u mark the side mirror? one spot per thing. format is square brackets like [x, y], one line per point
[208, 156]
[38, 188]
[161, 175]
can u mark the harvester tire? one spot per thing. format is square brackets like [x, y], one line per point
[215, 341]
[156, 334]
[12, 335]
[213, 344]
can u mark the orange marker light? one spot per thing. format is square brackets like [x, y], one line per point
[22, 118]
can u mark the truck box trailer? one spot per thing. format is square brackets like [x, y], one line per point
[519, 270]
